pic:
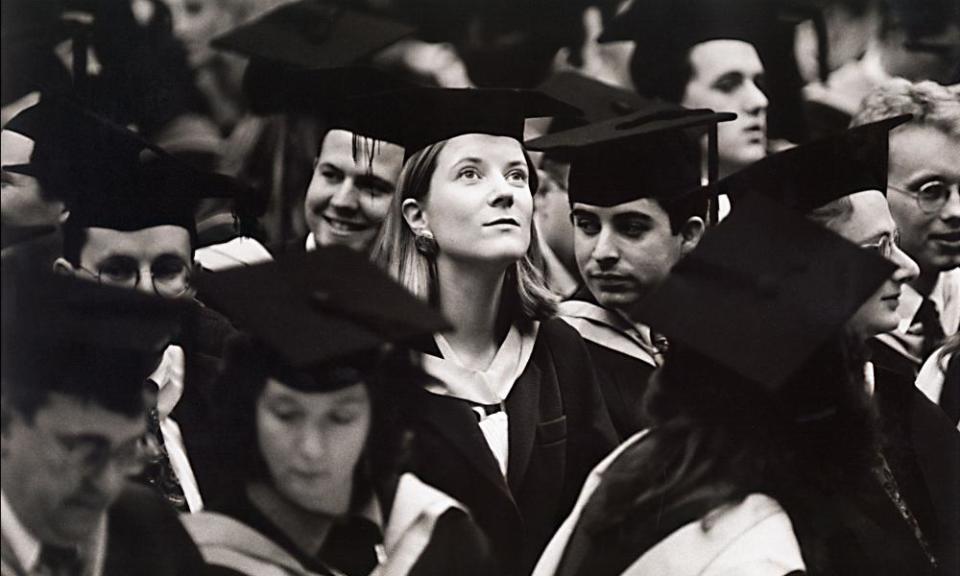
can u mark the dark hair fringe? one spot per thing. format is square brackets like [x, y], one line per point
[248, 364]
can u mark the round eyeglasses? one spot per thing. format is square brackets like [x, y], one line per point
[885, 246]
[170, 276]
[931, 196]
[90, 457]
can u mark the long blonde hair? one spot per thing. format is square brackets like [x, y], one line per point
[525, 295]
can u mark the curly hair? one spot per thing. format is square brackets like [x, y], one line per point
[930, 103]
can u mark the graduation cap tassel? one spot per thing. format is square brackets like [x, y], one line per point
[713, 173]
[823, 46]
[81, 80]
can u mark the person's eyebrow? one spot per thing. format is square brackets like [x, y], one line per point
[374, 181]
[633, 214]
[328, 166]
[468, 160]
[85, 438]
[923, 175]
[113, 257]
[516, 163]
[582, 212]
[351, 400]
[732, 75]
[878, 236]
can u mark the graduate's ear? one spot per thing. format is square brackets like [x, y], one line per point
[64, 214]
[691, 233]
[415, 216]
[63, 266]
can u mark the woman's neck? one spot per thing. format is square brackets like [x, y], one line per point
[308, 530]
[470, 299]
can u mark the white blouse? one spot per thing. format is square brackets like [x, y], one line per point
[484, 387]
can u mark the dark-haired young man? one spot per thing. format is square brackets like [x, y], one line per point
[638, 207]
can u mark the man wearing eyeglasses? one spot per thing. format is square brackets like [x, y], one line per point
[133, 226]
[924, 172]
[75, 361]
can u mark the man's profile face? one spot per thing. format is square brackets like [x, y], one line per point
[22, 200]
[624, 251]
[63, 468]
[160, 255]
[727, 76]
[920, 157]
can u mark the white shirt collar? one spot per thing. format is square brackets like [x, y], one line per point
[490, 386]
[944, 295]
[25, 547]
[610, 329]
[169, 379]
[311, 243]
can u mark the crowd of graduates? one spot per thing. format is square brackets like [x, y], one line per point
[530, 287]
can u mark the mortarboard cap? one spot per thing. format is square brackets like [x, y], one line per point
[62, 334]
[597, 100]
[29, 32]
[312, 34]
[643, 155]
[121, 181]
[315, 307]
[658, 25]
[763, 290]
[814, 174]
[435, 114]
[331, 93]
[39, 123]
[65, 310]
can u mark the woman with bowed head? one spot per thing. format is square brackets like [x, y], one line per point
[763, 440]
[311, 433]
[515, 420]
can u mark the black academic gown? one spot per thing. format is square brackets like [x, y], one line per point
[559, 429]
[145, 537]
[923, 450]
[296, 245]
[621, 375]
[204, 347]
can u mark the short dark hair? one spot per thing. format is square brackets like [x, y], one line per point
[113, 379]
[75, 237]
[664, 74]
[679, 210]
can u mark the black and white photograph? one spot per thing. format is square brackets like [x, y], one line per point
[480, 287]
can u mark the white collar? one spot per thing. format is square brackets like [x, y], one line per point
[311, 243]
[869, 378]
[169, 379]
[943, 294]
[610, 329]
[490, 386]
[25, 547]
